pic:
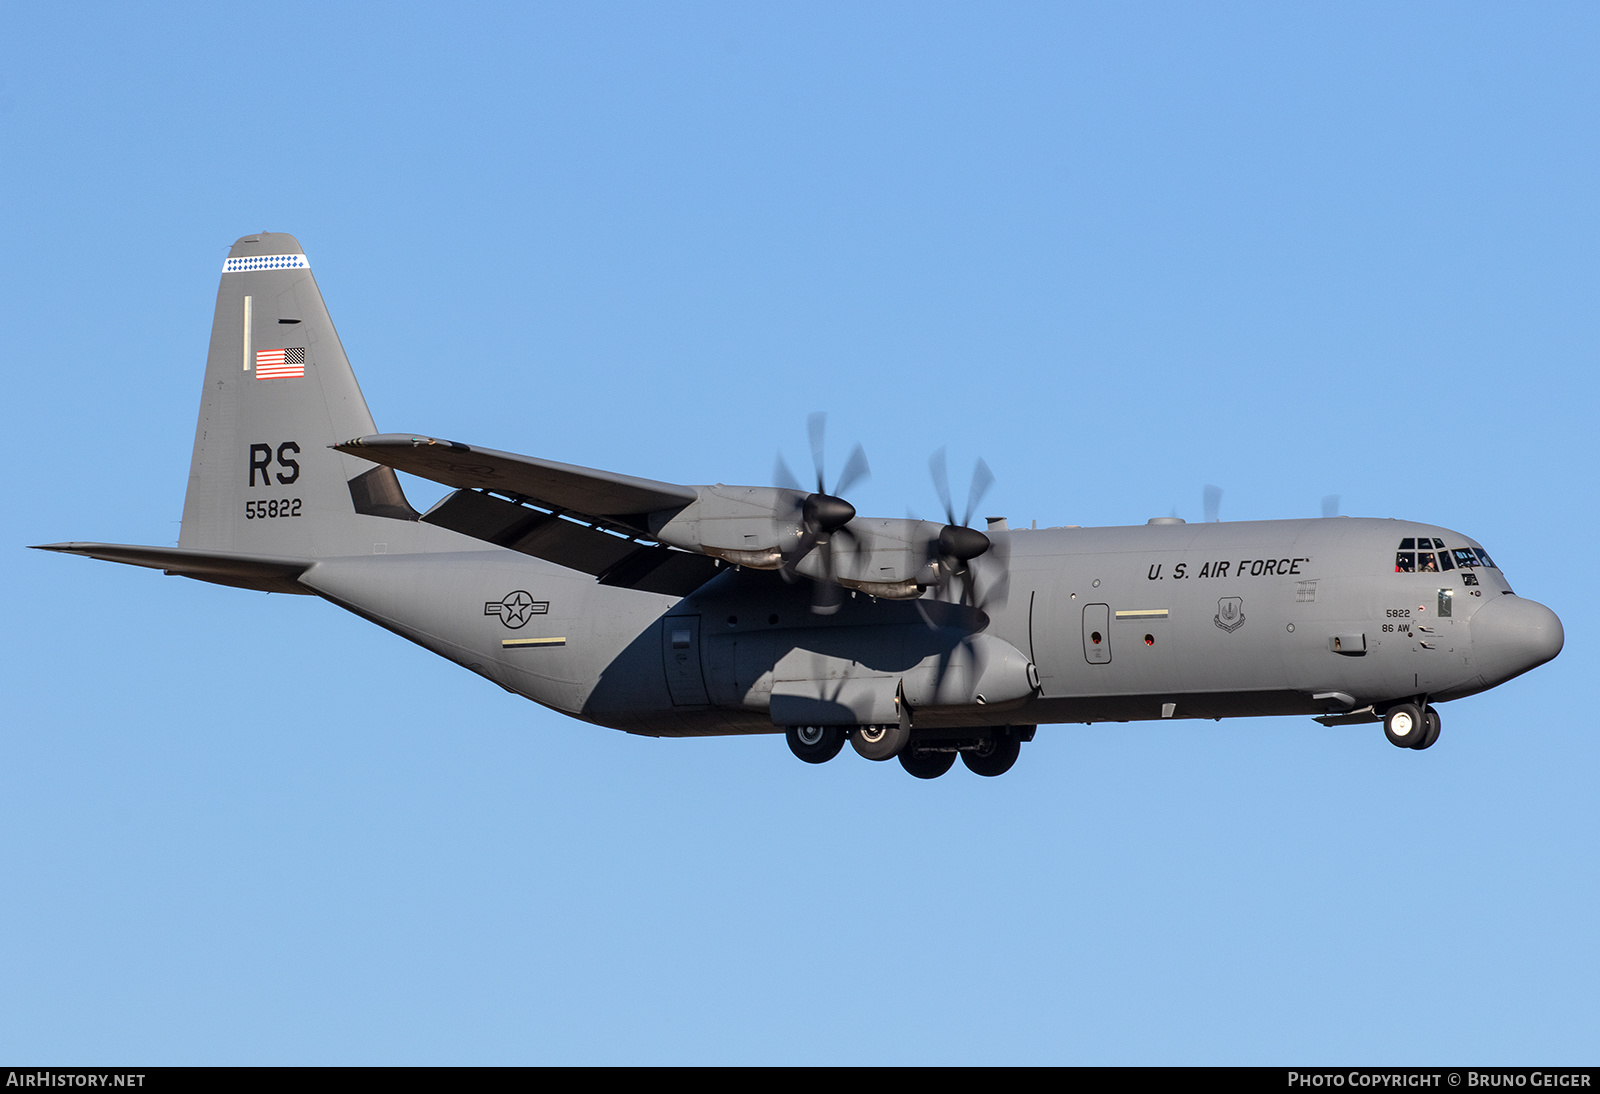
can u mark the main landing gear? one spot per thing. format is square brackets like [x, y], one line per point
[1411, 725]
[815, 744]
[987, 751]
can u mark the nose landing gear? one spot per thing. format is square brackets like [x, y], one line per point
[1411, 725]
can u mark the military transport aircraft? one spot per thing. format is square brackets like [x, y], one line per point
[676, 610]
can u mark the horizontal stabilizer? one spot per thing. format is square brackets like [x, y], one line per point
[268, 575]
[583, 491]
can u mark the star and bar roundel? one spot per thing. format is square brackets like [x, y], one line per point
[516, 608]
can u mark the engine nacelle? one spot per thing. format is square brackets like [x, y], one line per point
[753, 526]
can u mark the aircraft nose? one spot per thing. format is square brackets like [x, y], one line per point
[1511, 635]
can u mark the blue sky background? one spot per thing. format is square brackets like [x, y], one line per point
[1120, 251]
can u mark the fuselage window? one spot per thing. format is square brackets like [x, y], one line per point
[1483, 557]
[1465, 558]
[1445, 561]
[1446, 600]
[1405, 562]
[1425, 563]
[1439, 543]
[1410, 544]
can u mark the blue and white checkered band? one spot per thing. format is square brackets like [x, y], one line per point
[266, 262]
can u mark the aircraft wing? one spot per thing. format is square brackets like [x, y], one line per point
[581, 501]
[580, 491]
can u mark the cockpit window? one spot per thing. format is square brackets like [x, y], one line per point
[1415, 557]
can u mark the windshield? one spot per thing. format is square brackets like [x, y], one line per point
[1429, 555]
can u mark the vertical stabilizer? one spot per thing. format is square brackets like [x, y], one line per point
[278, 391]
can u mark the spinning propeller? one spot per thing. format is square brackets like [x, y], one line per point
[822, 516]
[1212, 499]
[959, 543]
[959, 546]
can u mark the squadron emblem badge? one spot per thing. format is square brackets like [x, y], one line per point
[1230, 613]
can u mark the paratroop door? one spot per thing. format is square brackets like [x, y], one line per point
[680, 649]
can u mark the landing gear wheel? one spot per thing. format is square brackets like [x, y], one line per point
[926, 765]
[994, 756]
[1404, 725]
[815, 744]
[1430, 729]
[880, 742]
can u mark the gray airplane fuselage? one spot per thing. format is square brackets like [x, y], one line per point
[1155, 594]
[674, 610]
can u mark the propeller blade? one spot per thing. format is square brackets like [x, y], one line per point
[826, 596]
[982, 479]
[816, 426]
[1330, 505]
[808, 542]
[782, 476]
[941, 483]
[1213, 502]
[855, 549]
[855, 470]
[995, 571]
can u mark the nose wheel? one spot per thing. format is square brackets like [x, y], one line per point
[1430, 729]
[1411, 725]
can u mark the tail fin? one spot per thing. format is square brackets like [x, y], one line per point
[278, 391]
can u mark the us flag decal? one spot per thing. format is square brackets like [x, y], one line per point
[280, 364]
